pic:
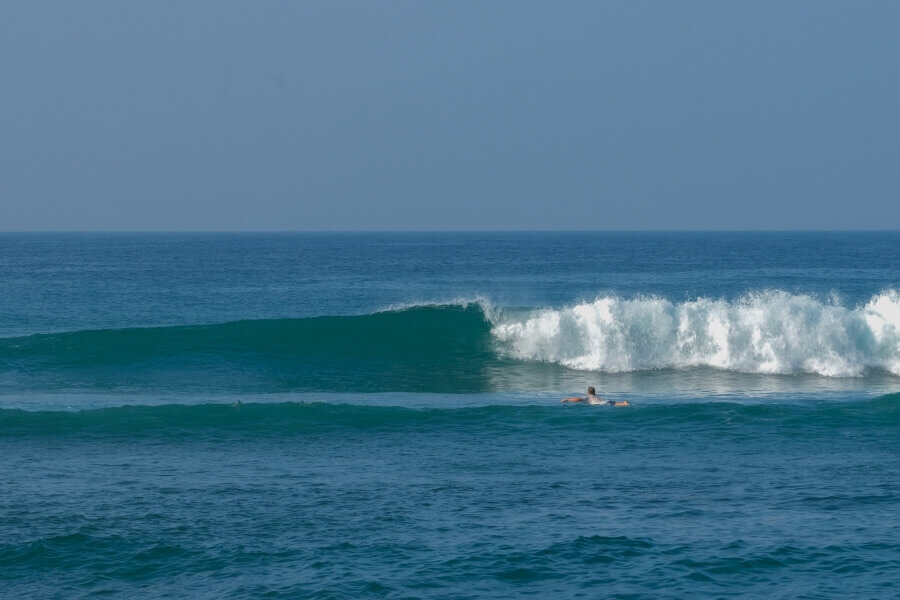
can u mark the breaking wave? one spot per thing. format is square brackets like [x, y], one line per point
[767, 332]
[467, 347]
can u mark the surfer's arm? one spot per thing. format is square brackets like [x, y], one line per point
[572, 400]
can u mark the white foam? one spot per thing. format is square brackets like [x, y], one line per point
[481, 302]
[770, 332]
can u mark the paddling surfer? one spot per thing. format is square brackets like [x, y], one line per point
[593, 398]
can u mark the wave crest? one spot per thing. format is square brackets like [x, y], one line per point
[768, 332]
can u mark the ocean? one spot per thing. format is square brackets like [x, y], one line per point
[377, 415]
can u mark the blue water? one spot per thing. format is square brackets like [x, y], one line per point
[377, 415]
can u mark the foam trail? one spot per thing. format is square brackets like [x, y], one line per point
[767, 332]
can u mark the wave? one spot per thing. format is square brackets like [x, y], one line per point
[467, 347]
[768, 332]
[421, 348]
[192, 420]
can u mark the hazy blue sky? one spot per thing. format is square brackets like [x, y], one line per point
[454, 115]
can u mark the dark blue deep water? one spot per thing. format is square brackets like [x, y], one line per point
[378, 415]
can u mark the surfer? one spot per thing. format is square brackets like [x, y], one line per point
[593, 398]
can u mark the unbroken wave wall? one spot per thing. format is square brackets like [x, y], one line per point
[420, 348]
[771, 332]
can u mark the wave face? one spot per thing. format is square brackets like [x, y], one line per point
[425, 348]
[467, 347]
[771, 332]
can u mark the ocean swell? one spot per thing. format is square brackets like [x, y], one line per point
[184, 420]
[771, 332]
[466, 347]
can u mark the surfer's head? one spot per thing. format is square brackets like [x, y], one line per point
[591, 391]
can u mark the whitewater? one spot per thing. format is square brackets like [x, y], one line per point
[769, 332]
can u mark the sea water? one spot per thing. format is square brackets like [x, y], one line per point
[377, 415]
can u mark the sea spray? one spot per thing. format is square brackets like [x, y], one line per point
[766, 332]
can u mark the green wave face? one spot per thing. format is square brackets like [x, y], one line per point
[423, 349]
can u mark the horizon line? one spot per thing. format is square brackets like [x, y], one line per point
[400, 231]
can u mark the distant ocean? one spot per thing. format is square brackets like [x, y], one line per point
[378, 415]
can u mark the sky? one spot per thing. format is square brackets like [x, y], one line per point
[497, 115]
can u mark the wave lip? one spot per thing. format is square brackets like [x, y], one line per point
[771, 332]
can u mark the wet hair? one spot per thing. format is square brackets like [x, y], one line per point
[591, 390]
